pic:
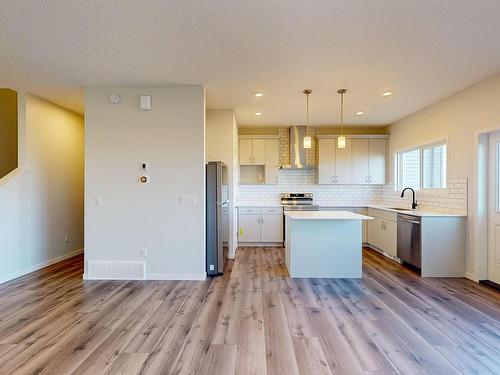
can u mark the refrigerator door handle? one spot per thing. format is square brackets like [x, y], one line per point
[223, 203]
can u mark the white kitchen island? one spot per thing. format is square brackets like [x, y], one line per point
[323, 244]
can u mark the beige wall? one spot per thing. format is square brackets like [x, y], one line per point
[171, 138]
[458, 118]
[8, 131]
[222, 144]
[42, 201]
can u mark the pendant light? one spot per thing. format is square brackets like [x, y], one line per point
[307, 139]
[341, 139]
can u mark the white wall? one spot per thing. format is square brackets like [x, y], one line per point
[459, 118]
[42, 200]
[222, 144]
[171, 138]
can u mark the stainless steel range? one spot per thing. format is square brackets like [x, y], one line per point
[298, 202]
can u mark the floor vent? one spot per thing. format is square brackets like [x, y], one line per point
[102, 270]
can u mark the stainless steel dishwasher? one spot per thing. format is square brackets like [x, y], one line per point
[410, 239]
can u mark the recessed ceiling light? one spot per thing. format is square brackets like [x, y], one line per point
[387, 93]
[360, 113]
[258, 113]
[258, 94]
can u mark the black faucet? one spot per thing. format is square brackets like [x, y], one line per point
[414, 203]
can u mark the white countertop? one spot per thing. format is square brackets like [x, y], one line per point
[325, 215]
[407, 211]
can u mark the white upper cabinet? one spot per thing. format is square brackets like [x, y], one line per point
[259, 159]
[376, 161]
[252, 152]
[361, 162]
[246, 152]
[343, 163]
[259, 151]
[326, 161]
[272, 160]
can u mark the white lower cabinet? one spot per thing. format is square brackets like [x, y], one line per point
[271, 228]
[260, 224]
[382, 230]
[249, 228]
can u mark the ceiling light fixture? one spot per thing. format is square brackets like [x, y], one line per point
[360, 113]
[387, 93]
[307, 139]
[258, 94]
[258, 113]
[341, 139]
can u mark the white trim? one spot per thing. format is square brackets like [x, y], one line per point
[421, 147]
[471, 276]
[248, 136]
[39, 266]
[162, 276]
[351, 136]
[176, 276]
[11, 177]
[260, 244]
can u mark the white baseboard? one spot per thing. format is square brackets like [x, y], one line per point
[471, 276]
[176, 276]
[167, 277]
[260, 244]
[39, 266]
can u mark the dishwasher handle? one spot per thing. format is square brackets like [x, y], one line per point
[410, 221]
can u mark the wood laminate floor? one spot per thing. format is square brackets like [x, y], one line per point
[253, 320]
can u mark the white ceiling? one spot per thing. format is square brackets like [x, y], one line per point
[421, 50]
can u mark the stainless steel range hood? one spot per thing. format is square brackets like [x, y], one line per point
[298, 154]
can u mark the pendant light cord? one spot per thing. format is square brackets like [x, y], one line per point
[342, 92]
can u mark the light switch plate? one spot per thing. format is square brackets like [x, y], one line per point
[188, 200]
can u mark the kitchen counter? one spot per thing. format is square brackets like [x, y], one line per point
[325, 215]
[407, 211]
[325, 206]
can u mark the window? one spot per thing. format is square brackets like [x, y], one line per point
[422, 168]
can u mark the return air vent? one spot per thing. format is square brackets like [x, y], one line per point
[102, 270]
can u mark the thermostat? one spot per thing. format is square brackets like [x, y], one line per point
[144, 179]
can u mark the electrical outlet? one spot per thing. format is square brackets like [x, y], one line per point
[98, 200]
[212, 267]
[144, 252]
[66, 238]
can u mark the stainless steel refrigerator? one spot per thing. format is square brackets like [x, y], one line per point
[217, 217]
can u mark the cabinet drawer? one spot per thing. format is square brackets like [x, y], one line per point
[271, 211]
[249, 210]
[383, 214]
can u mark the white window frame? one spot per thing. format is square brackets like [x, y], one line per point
[421, 147]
